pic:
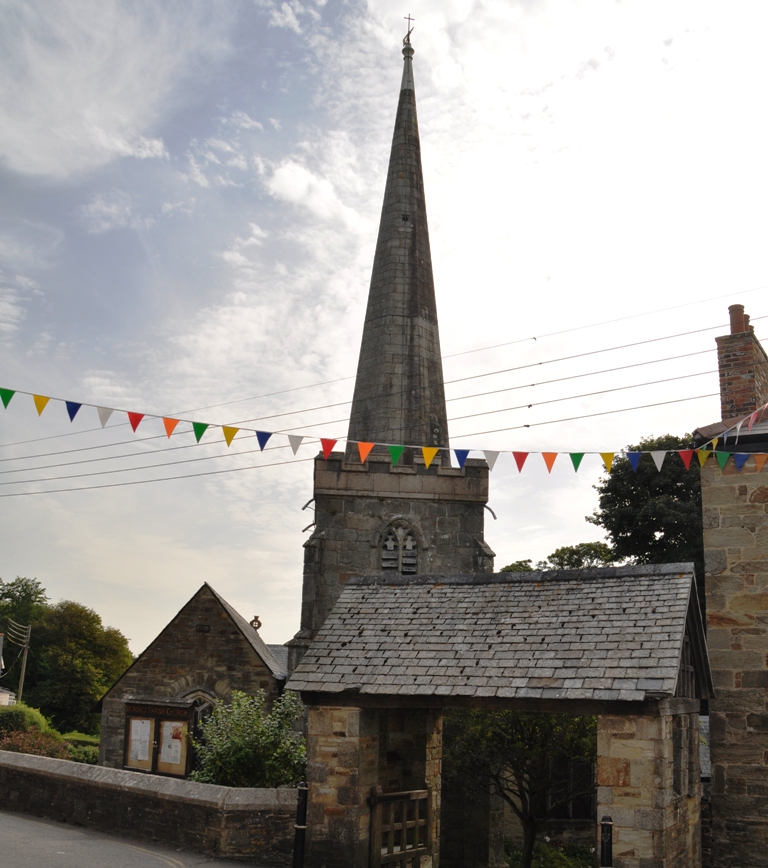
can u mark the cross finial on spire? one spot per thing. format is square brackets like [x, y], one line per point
[407, 40]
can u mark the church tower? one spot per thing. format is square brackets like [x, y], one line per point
[376, 517]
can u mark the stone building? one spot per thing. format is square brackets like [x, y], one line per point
[207, 651]
[735, 511]
[374, 516]
[626, 644]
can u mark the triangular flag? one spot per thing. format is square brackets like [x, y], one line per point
[104, 414]
[72, 408]
[549, 459]
[520, 460]
[490, 457]
[576, 459]
[608, 459]
[714, 443]
[741, 459]
[395, 452]
[658, 459]
[686, 455]
[760, 459]
[461, 456]
[40, 403]
[634, 459]
[752, 419]
[327, 447]
[722, 458]
[429, 453]
[229, 433]
[365, 450]
[134, 419]
[170, 425]
[702, 455]
[199, 428]
[295, 441]
[263, 437]
[6, 395]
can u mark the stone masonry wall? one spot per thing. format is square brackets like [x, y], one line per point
[354, 504]
[735, 509]
[743, 370]
[180, 662]
[249, 824]
[652, 796]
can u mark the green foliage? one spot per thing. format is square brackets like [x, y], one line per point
[81, 738]
[23, 600]
[21, 718]
[244, 746]
[580, 557]
[83, 753]
[518, 567]
[553, 856]
[653, 517]
[35, 742]
[515, 752]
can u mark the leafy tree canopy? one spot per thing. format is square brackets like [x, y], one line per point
[245, 746]
[515, 751]
[578, 557]
[652, 516]
[74, 659]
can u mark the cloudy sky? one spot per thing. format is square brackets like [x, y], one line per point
[189, 197]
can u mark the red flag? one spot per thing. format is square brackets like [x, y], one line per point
[686, 455]
[327, 447]
[520, 460]
[134, 419]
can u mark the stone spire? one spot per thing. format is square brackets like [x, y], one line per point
[399, 394]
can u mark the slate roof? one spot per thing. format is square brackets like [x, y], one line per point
[611, 634]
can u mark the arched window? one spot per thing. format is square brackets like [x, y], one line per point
[400, 550]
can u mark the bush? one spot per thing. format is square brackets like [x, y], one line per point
[83, 753]
[21, 718]
[35, 742]
[243, 746]
[81, 738]
[553, 856]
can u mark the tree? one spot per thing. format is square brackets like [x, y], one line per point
[73, 658]
[652, 516]
[518, 752]
[244, 746]
[579, 557]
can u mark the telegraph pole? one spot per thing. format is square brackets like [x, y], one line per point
[19, 635]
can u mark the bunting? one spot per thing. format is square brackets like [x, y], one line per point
[429, 453]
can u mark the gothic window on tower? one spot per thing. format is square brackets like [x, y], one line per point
[400, 551]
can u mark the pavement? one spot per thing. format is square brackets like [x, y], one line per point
[29, 842]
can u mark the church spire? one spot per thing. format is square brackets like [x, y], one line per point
[399, 395]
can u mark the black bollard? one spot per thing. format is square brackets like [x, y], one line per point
[606, 842]
[300, 827]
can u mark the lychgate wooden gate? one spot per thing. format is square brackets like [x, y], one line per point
[400, 828]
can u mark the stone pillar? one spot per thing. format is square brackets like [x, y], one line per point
[342, 760]
[648, 783]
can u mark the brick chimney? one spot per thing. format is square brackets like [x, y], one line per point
[743, 368]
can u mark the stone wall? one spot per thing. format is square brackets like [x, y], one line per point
[249, 824]
[735, 507]
[743, 370]
[347, 754]
[355, 504]
[648, 781]
[185, 663]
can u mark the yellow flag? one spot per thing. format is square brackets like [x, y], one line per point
[229, 433]
[429, 453]
[607, 459]
[702, 455]
[40, 402]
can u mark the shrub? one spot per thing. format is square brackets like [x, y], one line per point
[553, 856]
[35, 742]
[243, 746]
[83, 753]
[21, 718]
[81, 738]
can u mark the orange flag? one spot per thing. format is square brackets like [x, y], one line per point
[170, 425]
[365, 450]
[429, 453]
[760, 459]
[549, 459]
[229, 433]
[40, 403]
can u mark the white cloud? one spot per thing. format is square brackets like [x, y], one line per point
[113, 210]
[294, 183]
[243, 120]
[86, 81]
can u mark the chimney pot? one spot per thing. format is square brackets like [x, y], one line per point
[738, 324]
